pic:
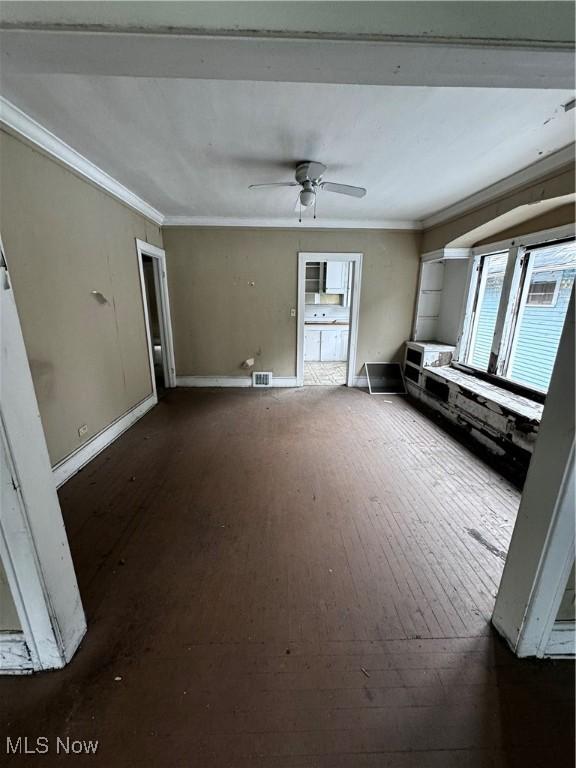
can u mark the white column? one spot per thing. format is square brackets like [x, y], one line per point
[33, 543]
[542, 548]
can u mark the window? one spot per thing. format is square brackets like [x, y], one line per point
[549, 276]
[487, 302]
[542, 293]
[518, 306]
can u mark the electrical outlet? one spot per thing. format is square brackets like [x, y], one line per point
[83, 429]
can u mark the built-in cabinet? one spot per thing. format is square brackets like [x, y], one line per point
[327, 278]
[326, 344]
[336, 277]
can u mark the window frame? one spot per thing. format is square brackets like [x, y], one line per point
[515, 288]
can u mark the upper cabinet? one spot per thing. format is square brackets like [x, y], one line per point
[336, 277]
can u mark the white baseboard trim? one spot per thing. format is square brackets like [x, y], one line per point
[562, 641]
[73, 463]
[14, 654]
[361, 381]
[231, 381]
[284, 381]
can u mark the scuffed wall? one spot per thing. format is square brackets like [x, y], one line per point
[231, 292]
[65, 238]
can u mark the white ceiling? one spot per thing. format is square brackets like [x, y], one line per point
[191, 147]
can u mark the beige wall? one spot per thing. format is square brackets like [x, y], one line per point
[64, 238]
[220, 319]
[554, 186]
[9, 620]
[557, 217]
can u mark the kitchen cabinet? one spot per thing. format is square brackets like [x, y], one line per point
[336, 276]
[326, 344]
[312, 344]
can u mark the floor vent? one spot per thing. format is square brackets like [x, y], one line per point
[262, 379]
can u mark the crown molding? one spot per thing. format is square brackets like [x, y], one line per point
[553, 162]
[25, 126]
[217, 221]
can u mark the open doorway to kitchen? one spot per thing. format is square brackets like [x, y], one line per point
[327, 318]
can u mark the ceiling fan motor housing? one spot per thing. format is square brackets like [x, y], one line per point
[309, 171]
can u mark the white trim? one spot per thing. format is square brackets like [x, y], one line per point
[33, 544]
[16, 120]
[361, 382]
[467, 312]
[284, 381]
[163, 304]
[532, 238]
[541, 553]
[562, 641]
[532, 173]
[356, 260]
[217, 221]
[446, 254]
[232, 381]
[74, 463]
[554, 568]
[15, 656]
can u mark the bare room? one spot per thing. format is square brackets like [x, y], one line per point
[287, 384]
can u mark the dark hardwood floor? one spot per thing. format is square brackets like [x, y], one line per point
[292, 579]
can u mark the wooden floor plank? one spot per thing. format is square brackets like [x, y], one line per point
[288, 579]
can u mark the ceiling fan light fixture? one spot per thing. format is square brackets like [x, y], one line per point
[307, 195]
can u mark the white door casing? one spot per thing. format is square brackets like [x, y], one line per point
[355, 261]
[33, 543]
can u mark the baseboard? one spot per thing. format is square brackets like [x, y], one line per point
[284, 381]
[562, 641]
[73, 463]
[361, 381]
[231, 381]
[14, 654]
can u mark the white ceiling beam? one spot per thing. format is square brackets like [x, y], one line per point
[499, 21]
[452, 64]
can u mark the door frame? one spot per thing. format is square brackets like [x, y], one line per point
[158, 256]
[33, 544]
[355, 259]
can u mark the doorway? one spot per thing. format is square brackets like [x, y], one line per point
[152, 266]
[328, 301]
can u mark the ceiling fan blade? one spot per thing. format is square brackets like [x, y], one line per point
[343, 189]
[276, 184]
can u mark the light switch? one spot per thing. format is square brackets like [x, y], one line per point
[292, 312]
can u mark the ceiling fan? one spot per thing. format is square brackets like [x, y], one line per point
[309, 177]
